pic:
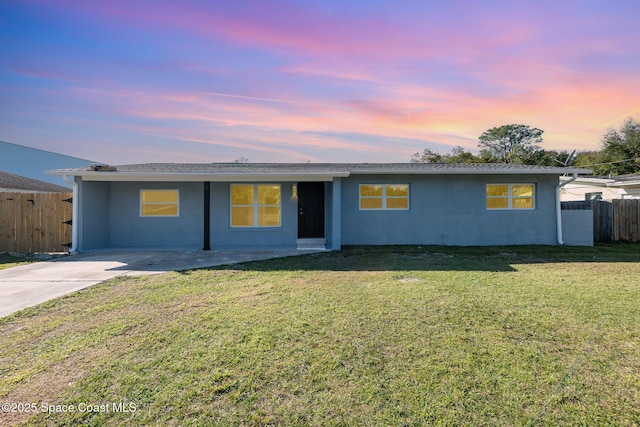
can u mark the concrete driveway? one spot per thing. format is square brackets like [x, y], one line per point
[32, 284]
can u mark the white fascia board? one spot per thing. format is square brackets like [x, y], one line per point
[595, 181]
[606, 182]
[201, 177]
[626, 184]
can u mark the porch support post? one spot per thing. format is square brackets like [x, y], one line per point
[336, 214]
[207, 217]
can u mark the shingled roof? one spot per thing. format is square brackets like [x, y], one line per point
[325, 169]
[354, 168]
[9, 181]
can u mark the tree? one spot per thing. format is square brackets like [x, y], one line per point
[427, 156]
[591, 160]
[549, 158]
[458, 155]
[621, 149]
[511, 143]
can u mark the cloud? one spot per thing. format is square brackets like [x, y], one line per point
[288, 79]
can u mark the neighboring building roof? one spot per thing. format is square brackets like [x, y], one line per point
[606, 188]
[301, 171]
[611, 181]
[33, 162]
[623, 180]
[11, 182]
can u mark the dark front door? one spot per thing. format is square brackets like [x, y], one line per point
[310, 210]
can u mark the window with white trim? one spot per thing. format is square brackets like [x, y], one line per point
[159, 202]
[384, 196]
[255, 205]
[510, 196]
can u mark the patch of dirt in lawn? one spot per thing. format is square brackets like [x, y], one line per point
[422, 256]
[518, 259]
[45, 387]
[409, 280]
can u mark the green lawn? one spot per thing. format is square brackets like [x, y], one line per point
[8, 261]
[387, 336]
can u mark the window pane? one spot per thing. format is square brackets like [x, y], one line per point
[242, 216]
[159, 196]
[497, 203]
[373, 203]
[526, 203]
[398, 190]
[160, 210]
[269, 216]
[497, 190]
[268, 194]
[371, 190]
[522, 190]
[241, 194]
[399, 203]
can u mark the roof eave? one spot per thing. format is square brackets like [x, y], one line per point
[554, 171]
[591, 180]
[199, 177]
[607, 182]
[324, 175]
[626, 184]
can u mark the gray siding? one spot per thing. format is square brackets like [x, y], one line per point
[449, 210]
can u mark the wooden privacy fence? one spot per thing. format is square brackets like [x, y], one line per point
[626, 224]
[35, 222]
[618, 220]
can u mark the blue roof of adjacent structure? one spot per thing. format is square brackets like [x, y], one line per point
[33, 162]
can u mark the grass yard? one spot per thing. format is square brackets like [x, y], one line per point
[8, 260]
[393, 336]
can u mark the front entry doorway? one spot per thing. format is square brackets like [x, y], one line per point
[310, 210]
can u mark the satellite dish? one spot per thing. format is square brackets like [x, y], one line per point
[569, 160]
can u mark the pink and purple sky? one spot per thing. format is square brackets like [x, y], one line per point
[123, 81]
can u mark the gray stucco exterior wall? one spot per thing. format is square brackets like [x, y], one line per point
[110, 217]
[334, 214]
[443, 210]
[129, 229]
[225, 236]
[93, 209]
[577, 227]
[449, 210]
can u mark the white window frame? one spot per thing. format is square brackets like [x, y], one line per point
[510, 197]
[177, 202]
[384, 197]
[255, 206]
